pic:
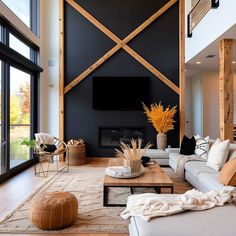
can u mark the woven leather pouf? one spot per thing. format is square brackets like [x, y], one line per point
[54, 210]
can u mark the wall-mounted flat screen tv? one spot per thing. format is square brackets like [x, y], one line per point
[120, 93]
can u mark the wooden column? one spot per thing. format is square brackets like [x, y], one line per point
[226, 89]
[61, 71]
[182, 119]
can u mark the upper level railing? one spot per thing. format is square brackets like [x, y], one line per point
[199, 10]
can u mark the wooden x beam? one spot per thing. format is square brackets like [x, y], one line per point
[121, 44]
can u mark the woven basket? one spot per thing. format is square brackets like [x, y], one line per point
[77, 155]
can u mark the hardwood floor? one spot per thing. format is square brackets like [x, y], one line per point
[18, 188]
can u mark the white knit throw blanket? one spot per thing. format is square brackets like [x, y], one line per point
[150, 205]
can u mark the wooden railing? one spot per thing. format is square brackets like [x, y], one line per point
[198, 11]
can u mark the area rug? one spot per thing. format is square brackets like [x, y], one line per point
[86, 183]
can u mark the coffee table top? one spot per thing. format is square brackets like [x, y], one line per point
[152, 176]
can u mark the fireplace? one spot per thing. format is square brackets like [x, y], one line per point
[110, 137]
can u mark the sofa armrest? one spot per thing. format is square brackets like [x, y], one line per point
[172, 150]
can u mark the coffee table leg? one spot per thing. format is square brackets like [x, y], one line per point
[105, 195]
[158, 189]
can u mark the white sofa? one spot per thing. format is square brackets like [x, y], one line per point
[198, 174]
[160, 156]
[219, 221]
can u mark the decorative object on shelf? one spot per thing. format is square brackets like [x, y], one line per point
[77, 152]
[162, 119]
[132, 154]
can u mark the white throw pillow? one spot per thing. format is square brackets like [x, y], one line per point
[202, 147]
[218, 154]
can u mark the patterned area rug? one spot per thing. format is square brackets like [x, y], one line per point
[86, 184]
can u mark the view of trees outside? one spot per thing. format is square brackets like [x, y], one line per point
[19, 115]
[21, 8]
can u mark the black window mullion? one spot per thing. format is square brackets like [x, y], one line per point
[34, 16]
[7, 113]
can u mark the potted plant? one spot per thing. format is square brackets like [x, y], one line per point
[162, 120]
[29, 143]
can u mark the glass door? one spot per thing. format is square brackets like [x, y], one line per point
[20, 107]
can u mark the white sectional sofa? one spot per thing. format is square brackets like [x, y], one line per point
[160, 156]
[197, 173]
[219, 221]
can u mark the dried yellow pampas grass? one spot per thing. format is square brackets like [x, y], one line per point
[133, 151]
[162, 119]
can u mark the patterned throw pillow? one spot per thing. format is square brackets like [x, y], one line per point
[202, 147]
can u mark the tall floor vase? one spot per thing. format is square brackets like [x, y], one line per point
[161, 141]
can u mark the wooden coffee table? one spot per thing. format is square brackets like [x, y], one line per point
[153, 176]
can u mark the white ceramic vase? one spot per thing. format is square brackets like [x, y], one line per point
[161, 141]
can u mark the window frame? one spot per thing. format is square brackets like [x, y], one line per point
[9, 57]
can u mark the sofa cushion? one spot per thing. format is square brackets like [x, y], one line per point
[219, 221]
[218, 154]
[174, 159]
[211, 181]
[187, 146]
[232, 152]
[197, 167]
[228, 173]
[202, 147]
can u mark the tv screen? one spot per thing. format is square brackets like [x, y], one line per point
[120, 93]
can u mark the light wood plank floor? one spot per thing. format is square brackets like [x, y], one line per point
[15, 190]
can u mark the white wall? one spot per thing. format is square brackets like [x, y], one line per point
[205, 98]
[212, 26]
[211, 108]
[197, 105]
[188, 104]
[49, 61]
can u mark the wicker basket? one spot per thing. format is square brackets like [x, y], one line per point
[77, 155]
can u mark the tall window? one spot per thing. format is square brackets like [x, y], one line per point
[18, 90]
[19, 115]
[21, 8]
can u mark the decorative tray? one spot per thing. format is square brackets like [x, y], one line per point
[119, 172]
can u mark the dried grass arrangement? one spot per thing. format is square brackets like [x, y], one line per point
[161, 118]
[132, 154]
[133, 151]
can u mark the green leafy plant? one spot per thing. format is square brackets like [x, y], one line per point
[28, 142]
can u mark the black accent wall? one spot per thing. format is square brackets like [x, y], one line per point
[84, 44]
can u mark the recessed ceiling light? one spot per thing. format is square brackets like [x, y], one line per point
[198, 62]
[234, 62]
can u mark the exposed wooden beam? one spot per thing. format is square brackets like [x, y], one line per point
[226, 89]
[182, 100]
[121, 44]
[61, 69]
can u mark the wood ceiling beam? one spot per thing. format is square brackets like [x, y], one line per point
[121, 44]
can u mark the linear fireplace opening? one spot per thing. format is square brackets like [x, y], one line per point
[110, 137]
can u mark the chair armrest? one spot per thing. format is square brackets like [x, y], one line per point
[172, 150]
